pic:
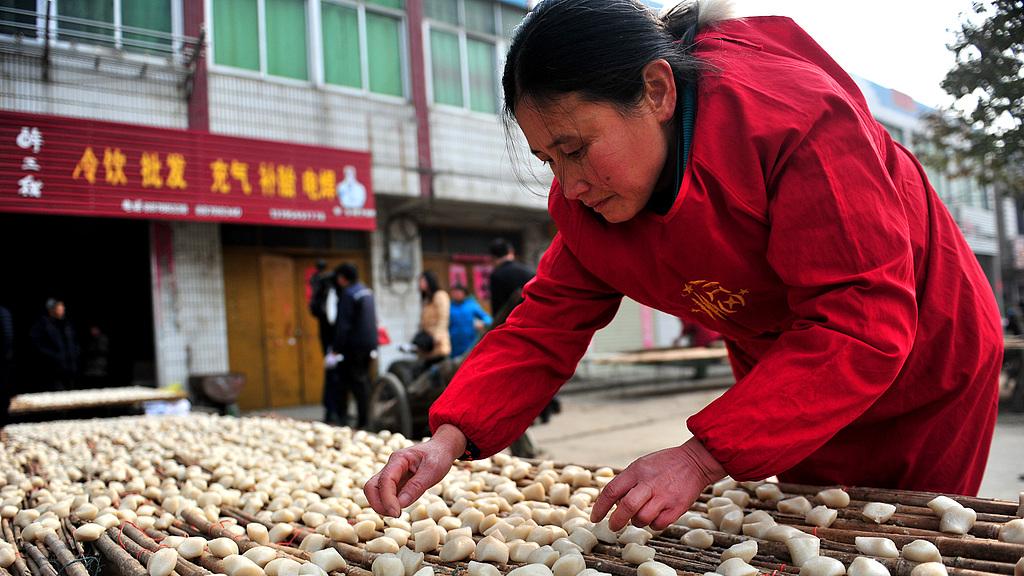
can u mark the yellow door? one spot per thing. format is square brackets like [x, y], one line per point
[280, 330]
[245, 325]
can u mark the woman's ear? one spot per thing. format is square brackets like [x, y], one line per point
[660, 89]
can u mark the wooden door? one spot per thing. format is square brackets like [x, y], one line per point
[280, 330]
[245, 325]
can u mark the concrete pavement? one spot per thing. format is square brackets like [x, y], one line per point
[614, 427]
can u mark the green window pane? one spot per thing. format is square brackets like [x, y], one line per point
[384, 50]
[396, 4]
[152, 15]
[341, 45]
[510, 18]
[236, 40]
[483, 82]
[23, 24]
[443, 10]
[286, 38]
[99, 11]
[479, 16]
[445, 67]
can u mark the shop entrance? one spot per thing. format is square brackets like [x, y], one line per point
[100, 269]
[272, 337]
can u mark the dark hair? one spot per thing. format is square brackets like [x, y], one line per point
[432, 285]
[347, 271]
[500, 248]
[459, 287]
[597, 49]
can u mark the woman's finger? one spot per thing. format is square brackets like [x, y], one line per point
[628, 506]
[648, 513]
[388, 482]
[610, 494]
[372, 495]
[667, 517]
[425, 475]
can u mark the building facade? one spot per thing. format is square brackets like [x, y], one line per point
[411, 85]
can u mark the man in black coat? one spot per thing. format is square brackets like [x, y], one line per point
[507, 276]
[57, 349]
[355, 339]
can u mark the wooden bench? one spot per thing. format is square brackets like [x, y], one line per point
[89, 399]
[699, 358]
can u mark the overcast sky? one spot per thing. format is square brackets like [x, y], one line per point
[899, 44]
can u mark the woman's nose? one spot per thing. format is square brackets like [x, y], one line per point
[573, 186]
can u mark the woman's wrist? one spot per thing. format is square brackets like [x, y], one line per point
[452, 438]
[706, 464]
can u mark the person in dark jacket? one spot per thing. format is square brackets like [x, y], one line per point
[507, 276]
[355, 339]
[6, 359]
[54, 340]
[321, 303]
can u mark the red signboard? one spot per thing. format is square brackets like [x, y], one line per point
[56, 165]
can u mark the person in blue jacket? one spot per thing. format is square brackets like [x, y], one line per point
[466, 321]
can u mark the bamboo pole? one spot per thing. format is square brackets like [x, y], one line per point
[894, 496]
[70, 563]
[122, 560]
[44, 566]
[20, 567]
[197, 520]
[141, 546]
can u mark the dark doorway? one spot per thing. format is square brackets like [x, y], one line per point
[100, 269]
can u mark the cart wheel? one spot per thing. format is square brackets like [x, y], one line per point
[389, 406]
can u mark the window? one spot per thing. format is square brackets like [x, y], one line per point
[369, 33]
[262, 35]
[466, 37]
[286, 39]
[360, 42]
[133, 25]
[235, 25]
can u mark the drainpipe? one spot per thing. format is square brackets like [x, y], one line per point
[198, 97]
[417, 67]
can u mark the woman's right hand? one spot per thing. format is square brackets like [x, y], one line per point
[412, 471]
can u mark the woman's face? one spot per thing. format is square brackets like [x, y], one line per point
[607, 159]
[423, 284]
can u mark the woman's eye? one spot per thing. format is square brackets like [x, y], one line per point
[576, 153]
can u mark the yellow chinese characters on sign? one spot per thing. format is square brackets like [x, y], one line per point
[176, 172]
[271, 180]
[268, 179]
[86, 167]
[240, 172]
[149, 169]
[219, 171]
[113, 166]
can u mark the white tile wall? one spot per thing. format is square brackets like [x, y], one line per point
[188, 299]
[94, 88]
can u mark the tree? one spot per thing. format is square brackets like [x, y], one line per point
[982, 134]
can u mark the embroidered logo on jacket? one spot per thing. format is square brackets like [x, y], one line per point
[714, 300]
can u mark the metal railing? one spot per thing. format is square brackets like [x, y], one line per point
[48, 28]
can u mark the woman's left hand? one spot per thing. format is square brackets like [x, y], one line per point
[657, 488]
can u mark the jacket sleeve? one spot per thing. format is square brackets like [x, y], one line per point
[343, 324]
[839, 240]
[518, 367]
[478, 313]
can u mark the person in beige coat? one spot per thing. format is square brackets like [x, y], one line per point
[434, 317]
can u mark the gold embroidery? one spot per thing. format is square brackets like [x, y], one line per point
[714, 300]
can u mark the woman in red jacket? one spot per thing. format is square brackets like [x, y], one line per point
[728, 172]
